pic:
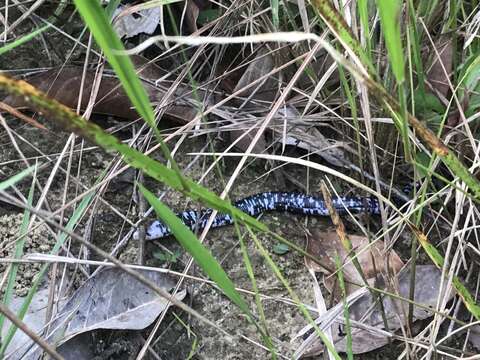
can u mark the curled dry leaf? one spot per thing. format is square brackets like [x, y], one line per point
[128, 25]
[260, 66]
[312, 140]
[112, 299]
[324, 245]
[439, 74]
[368, 331]
[64, 85]
[474, 337]
[442, 64]
[191, 15]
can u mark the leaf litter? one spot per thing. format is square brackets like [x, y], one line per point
[111, 299]
[368, 327]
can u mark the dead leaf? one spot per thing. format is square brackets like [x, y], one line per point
[324, 245]
[368, 332]
[442, 62]
[312, 140]
[191, 15]
[261, 65]
[34, 319]
[64, 84]
[131, 21]
[243, 141]
[474, 337]
[112, 299]
[81, 347]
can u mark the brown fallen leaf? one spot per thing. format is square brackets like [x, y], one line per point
[261, 65]
[191, 15]
[243, 141]
[64, 84]
[474, 336]
[368, 331]
[438, 74]
[324, 245]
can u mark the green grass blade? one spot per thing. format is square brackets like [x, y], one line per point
[439, 261]
[346, 312]
[390, 12]
[18, 254]
[363, 13]
[69, 120]
[111, 7]
[23, 39]
[75, 218]
[98, 22]
[5, 184]
[274, 5]
[339, 27]
[258, 300]
[415, 46]
[200, 253]
[294, 296]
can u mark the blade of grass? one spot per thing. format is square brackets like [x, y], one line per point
[258, 300]
[439, 261]
[294, 296]
[363, 13]
[75, 218]
[69, 120]
[339, 27]
[390, 15]
[346, 312]
[105, 36]
[415, 45]
[274, 5]
[5, 184]
[111, 7]
[23, 39]
[18, 254]
[202, 256]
